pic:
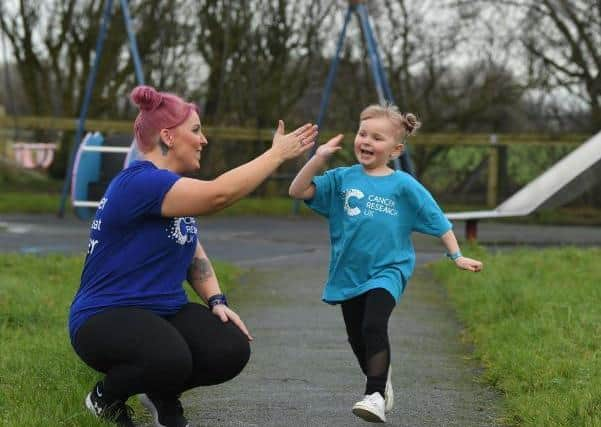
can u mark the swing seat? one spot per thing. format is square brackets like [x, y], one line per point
[98, 160]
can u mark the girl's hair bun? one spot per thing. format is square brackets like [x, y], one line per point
[412, 124]
[146, 98]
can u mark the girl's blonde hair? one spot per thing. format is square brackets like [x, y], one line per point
[406, 123]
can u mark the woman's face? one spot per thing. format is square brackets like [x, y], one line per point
[188, 142]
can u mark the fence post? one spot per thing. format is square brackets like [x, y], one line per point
[493, 173]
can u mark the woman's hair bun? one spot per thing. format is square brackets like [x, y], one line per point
[146, 97]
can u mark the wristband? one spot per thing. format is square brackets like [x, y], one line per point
[454, 255]
[217, 300]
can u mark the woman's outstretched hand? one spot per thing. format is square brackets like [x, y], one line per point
[293, 144]
[226, 314]
[469, 264]
[325, 151]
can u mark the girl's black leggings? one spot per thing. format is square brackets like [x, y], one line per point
[366, 319]
[141, 352]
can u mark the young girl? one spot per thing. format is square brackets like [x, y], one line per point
[372, 211]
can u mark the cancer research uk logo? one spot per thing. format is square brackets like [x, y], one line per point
[182, 229]
[373, 204]
[348, 194]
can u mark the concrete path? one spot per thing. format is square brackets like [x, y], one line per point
[302, 371]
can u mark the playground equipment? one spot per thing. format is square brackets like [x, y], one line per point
[34, 155]
[106, 18]
[358, 8]
[97, 161]
[561, 183]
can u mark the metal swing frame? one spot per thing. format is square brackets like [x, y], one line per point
[382, 87]
[359, 9]
[133, 46]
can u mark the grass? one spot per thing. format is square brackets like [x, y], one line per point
[48, 203]
[535, 321]
[42, 382]
[37, 203]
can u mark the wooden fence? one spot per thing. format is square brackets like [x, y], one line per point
[495, 144]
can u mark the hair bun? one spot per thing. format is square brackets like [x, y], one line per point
[146, 97]
[412, 124]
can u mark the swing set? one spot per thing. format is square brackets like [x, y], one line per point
[86, 163]
[86, 172]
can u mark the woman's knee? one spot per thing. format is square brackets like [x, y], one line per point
[236, 350]
[229, 356]
[168, 367]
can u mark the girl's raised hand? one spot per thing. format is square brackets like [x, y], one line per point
[325, 151]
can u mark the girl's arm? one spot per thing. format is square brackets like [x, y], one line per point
[302, 186]
[203, 280]
[450, 242]
[192, 197]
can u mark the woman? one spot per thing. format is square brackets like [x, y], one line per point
[130, 318]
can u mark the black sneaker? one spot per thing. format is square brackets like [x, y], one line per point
[166, 412]
[115, 411]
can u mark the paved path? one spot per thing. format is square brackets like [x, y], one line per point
[302, 371]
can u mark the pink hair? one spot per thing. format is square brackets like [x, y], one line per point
[158, 110]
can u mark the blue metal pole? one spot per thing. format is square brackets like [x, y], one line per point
[135, 54]
[106, 18]
[373, 57]
[376, 52]
[133, 45]
[325, 98]
[384, 92]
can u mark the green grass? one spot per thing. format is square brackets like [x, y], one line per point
[272, 206]
[48, 203]
[34, 203]
[29, 203]
[42, 382]
[535, 320]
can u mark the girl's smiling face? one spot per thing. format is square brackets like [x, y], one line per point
[376, 143]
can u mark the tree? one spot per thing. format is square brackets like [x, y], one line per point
[259, 55]
[561, 47]
[437, 71]
[563, 39]
[54, 47]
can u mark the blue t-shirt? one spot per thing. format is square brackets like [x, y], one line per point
[371, 219]
[135, 256]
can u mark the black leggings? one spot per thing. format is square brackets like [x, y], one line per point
[141, 352]
[366, 319]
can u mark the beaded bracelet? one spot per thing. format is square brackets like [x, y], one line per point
[454, 255]
[216, 300]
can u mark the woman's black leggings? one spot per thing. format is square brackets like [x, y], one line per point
[141, 352]
[366, 319]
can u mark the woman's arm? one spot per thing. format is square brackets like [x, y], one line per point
[191, 197]
[203, 280]
[450, 242]
[302, 186]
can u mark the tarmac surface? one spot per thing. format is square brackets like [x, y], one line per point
[302, 371]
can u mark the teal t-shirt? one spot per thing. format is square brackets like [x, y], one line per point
[371, 219]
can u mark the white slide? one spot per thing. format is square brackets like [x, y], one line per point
[558, 185]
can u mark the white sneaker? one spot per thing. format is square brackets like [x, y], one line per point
[371, 408]
[389, 392]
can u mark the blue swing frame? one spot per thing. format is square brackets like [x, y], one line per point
[379, 76]
[106, 19]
